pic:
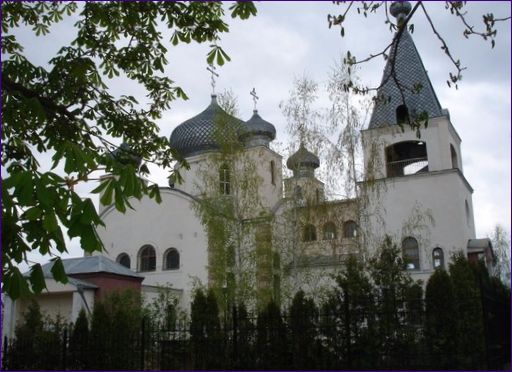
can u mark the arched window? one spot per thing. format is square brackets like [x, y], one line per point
[411, 254]
[272, 172]
[171, 259]
[124, 260]
[468, 213]
[147, 258]
[438, 258]
[455, 162]
[402, 114]
[329, 231]
[349, 229]
[309, 233]
[225, 180]
[405, 158]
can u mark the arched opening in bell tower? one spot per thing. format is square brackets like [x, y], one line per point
[455, 161]
[405, 158]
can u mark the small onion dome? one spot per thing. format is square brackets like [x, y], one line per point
[258, 131]
[400, 9]
[303, 162]
[125, 155]
[206, 131]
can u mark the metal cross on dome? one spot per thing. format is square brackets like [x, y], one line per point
[255, 98]
[211, 68]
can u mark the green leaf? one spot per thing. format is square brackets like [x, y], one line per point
[59, 274]
[101, 186]
[211, 56]
[26, 189]
[89, 213]
[89, 240]
[50, 221]
[44, 194]
[15, 284]
[33, 213]
[106, 198]
[119, 200]
[37, 281]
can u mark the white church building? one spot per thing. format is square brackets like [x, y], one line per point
[235, 225]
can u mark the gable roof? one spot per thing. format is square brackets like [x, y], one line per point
[90, 264]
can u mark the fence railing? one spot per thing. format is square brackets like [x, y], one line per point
[407, 167]
[354, 334]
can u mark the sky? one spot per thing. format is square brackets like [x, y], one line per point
[287, 40]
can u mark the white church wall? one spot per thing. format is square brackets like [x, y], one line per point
[429, 207]
[171, 224]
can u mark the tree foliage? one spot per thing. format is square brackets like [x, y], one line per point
[65, 109]
[441, 320]
[468, 309]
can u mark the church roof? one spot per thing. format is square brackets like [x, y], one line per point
[257, 126]
[303, 157]
[205, 131]
[90, 264]
[410, 72]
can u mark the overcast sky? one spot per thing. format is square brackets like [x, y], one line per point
[287, 40]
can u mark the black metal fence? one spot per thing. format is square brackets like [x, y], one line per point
[350, 340]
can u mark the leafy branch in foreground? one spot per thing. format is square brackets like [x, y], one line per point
[67, 111]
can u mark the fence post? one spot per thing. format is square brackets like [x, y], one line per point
[64, 348]
[142, 343]
[347, 330]
[5, 353]
[484, 321]
[235, 338]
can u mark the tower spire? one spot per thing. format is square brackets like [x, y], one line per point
[405, 88]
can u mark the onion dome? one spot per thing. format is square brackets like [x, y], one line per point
[303, 162]
[125, 155]
[258, 131]
[206, 131]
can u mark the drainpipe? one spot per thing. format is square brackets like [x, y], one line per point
[80, 291]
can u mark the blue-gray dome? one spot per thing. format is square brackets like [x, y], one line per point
[125, 155]
[303, 159]
[258, 131]
[257, 126]
[206, 131]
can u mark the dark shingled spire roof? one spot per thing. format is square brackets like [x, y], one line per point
[203, 132]
[409, 71]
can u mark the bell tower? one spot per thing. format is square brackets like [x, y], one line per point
[415, 187]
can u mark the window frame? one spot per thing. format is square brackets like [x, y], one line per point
[273, 172]
[151, 266]
[166, 265]
[225, 179]
[309, 233]
[441, 258]
[122, 256]
[409, 258]
[346, 230]
[333, 232]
